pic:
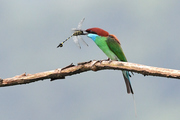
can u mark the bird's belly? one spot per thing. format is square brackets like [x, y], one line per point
[104, 47]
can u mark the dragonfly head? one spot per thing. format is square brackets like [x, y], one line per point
[79, 32]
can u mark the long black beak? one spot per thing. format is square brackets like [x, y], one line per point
[79, 32]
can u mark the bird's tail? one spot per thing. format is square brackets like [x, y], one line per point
[127, 81]
[126, 76]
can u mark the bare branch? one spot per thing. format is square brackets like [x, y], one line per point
[87, 66]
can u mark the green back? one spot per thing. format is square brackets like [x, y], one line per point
[115, 47]
[111, 48]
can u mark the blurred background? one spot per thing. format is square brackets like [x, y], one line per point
[31, 30]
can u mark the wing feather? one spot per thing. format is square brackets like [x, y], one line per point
[114, 45]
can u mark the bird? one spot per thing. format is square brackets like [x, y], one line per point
[111, 46]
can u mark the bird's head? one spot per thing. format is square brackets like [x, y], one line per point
[94, 32]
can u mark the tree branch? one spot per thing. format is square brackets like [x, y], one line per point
[87, 66]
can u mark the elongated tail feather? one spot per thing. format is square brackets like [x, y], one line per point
[129, 87]
[127, 81]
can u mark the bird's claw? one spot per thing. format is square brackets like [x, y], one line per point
[100, 61]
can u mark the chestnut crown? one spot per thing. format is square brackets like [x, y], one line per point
[98, 31]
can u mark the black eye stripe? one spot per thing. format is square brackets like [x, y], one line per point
[90, 31]
[94, 32]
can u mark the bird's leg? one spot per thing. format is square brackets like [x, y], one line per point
[108, 59]
[97, 62]
[100, 61]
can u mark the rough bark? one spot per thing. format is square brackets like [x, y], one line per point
[87, 66]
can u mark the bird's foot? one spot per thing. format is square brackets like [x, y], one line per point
[100, 61]
[108, 59]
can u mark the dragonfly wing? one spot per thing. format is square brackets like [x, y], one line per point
[80, 23]
[74, 29]
[79, 37]
[76, 41]
[79, 26]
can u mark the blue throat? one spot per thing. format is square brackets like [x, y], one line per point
[92, 36]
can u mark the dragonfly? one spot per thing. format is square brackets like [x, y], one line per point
[76, 35]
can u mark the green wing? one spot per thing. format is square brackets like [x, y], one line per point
[115, 47]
